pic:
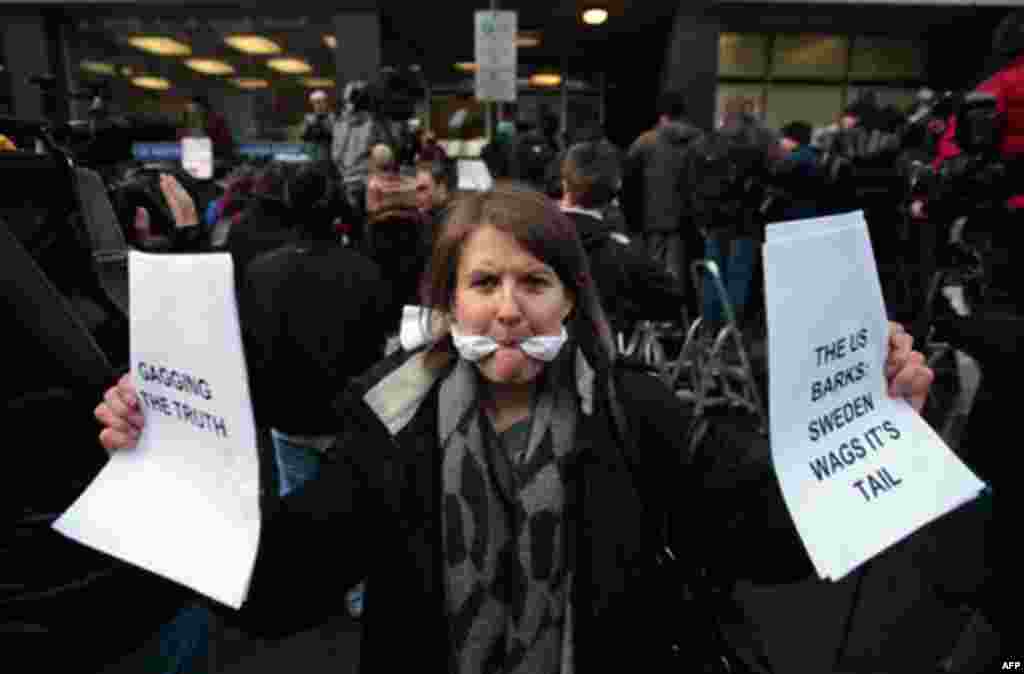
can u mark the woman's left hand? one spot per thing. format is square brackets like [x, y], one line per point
[905, 370]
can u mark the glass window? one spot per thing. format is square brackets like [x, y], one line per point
[742, 55]
[751, 92]
[901, 98]
[809, 56]
[883, 58]
[816, 104]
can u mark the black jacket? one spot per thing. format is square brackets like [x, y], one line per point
[266, 225]
[375, 511]
[313, 317]
[631, 285]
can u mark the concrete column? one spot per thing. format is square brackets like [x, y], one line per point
[691, 63]
[26, 52]
[358, 56]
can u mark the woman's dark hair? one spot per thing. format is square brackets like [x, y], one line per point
[313, 200]
[542, 229]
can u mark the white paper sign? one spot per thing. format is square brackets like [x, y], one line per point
[495, 39]
[473, 174]
[185, 503]
[197, 157]
[859, 470]
[810, 226]
[495, 84]
[496, 55]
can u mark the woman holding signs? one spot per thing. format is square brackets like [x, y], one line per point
[507, 480]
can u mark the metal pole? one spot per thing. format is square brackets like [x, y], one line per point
[565, 101]
[489, 112]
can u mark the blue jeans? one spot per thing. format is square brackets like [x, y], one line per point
[736, 266]
[296, 463]
[184, 642]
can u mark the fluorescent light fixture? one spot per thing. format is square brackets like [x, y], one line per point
[466, 66]
[318, 82]
[210, 66]
[156, 83]
[290, 66]
[95, 67]
[331, 41]
[161, 46]
[595, 16]
[253, 44]
[527, 39]
[250, 83]
[545, 79]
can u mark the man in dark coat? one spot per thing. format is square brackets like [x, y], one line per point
[657, 159]
[632, 286]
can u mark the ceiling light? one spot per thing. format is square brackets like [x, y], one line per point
[157, 83]
[528, 39]
[250, 83]
[95, 67]
[161, 46]
[595, 16]
[253, 44]
[210, 66]
[466, 66]
[290, 66]
[331, 41]
[318, 82]
[545, 79]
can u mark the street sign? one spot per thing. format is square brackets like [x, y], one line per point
[496, 58]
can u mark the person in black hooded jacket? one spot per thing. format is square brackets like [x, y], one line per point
[632, 286]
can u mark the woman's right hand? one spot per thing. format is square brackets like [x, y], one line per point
[121, 416]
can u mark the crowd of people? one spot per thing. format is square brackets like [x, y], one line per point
[515, 477]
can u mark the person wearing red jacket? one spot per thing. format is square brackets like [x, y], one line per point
[1006, 84]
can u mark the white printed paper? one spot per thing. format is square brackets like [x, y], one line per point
[197, 157]
[859, 470]
[185, 503]
[789, 229]
[473, 175]
[496, 55]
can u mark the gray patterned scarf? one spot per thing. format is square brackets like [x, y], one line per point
[505, 544]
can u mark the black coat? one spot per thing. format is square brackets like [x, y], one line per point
[313, 316]
[375, 511]
[631, 285]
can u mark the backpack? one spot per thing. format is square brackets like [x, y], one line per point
[727, 175]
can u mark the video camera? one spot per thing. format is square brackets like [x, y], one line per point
[977, 178]
[393, 95]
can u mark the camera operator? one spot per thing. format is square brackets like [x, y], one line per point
[1006, 85]
[728, 169]
[978, 167]
[318, 126]
[375, 114]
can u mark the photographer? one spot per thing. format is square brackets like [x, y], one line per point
[359, 129]
[318, 127]
[1006, 84]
